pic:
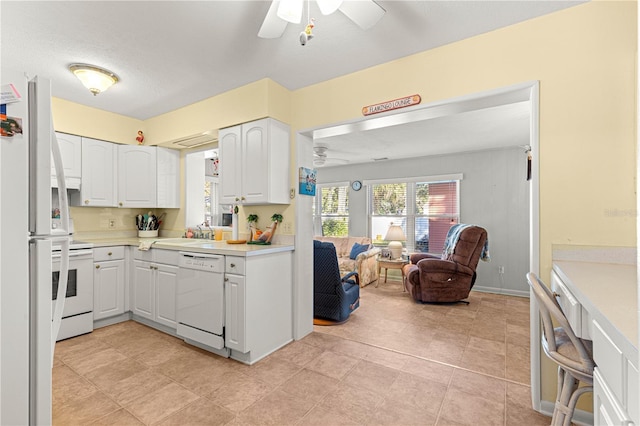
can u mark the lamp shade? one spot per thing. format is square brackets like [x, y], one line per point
[94, 78]
[395, 233]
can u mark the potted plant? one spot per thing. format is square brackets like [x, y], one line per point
[254, 233]
[267, 235]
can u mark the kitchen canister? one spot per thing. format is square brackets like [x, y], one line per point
[148, 234]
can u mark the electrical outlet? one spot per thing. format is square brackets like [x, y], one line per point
[501, 269]
[112, 223]
[286, 227]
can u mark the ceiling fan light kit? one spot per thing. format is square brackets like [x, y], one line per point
[365, 13]
[94, 78]
[290, 10]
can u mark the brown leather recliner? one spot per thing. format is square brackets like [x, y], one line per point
[448, 278]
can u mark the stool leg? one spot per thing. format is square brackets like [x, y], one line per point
[565, 403]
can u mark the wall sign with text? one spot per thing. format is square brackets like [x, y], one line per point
[391, 105]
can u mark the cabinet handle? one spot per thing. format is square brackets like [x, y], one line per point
[242, 198]
[555, 294]
[237, 199]
[226, 279]
[97, 266]
[120, 203]
[233, 265]
[86, 201]
[150, 266]
[109, 254]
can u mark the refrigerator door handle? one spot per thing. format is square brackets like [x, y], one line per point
[62, 292]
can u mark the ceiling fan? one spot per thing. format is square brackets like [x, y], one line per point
[365, 13]
[320, 157]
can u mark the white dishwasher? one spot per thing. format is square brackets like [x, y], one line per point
[200, 299]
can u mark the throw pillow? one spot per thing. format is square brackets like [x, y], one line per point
[357, 249]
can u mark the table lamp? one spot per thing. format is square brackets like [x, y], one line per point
[395, 235]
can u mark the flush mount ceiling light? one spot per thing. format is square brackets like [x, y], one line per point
[94, 78]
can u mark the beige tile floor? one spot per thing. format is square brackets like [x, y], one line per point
[394, 362]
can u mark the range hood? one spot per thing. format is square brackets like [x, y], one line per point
[194, 140]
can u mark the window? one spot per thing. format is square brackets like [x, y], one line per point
[331, 210]
[201, 189]
[425, 208]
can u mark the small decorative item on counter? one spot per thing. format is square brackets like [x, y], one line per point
[254, 232]
[267, 235]
[55, 213]
[189, 233]
[140, 137]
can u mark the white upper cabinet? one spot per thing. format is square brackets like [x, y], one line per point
[98, 187]
[137, 182]
[168, 178]
[71, 152]
[254, 163]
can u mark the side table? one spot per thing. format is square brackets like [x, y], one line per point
[391, 264]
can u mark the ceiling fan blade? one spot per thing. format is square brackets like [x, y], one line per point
[327, 7]
[291, 10]
[365, 13]
[272, 26]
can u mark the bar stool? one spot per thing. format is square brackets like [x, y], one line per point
[572, 354]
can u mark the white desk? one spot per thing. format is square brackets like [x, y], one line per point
[607, 294]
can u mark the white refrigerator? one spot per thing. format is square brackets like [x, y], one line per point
[27, 324]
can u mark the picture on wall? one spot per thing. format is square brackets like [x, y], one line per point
[307, 181]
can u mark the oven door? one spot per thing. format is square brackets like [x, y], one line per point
[79, 298]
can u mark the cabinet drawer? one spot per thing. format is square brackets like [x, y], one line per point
[234, 265]
[578, 318]
[610, 361]
[142, 254]
[102, 254]
[170, 257]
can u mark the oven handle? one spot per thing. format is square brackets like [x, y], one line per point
[74, 253]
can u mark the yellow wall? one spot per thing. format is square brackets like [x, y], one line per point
[584, 58]
[69, 117]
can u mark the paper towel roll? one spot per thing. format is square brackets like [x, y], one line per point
[234, 224]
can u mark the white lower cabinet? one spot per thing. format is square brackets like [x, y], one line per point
[154, 292]
[615, 384]
[234, 316]
[606, 409]
[108, 282]
[258, 313]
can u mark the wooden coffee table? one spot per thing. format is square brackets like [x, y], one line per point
[390, 264]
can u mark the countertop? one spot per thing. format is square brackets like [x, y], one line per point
[609, 293]
[192, 245]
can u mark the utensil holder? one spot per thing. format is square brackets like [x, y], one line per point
[148, 234]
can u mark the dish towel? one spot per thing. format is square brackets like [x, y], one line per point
[145, 245]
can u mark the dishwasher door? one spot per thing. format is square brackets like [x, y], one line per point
[200, 302]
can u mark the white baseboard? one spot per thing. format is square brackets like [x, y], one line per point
[498, 290]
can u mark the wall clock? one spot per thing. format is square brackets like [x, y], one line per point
[356, 185]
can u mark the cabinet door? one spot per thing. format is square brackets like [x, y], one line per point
[235, 324]
[108, 289]
[606, 409]
[136, 176]
[168, 178]
[71, 151]
[166, 283]
[143, 294]
[98, 187]
[255, 170]
[230, 168]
